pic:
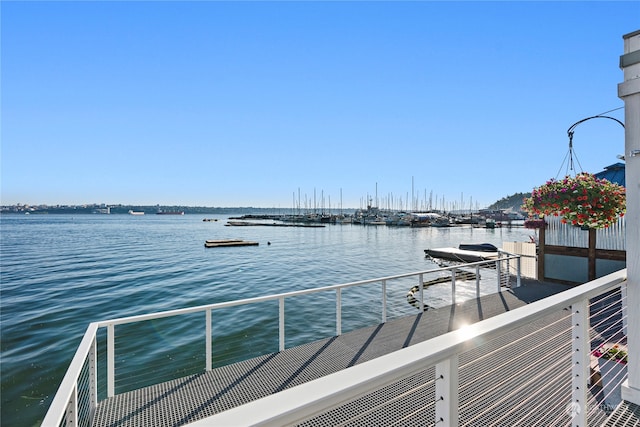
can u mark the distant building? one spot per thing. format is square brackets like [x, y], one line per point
[613, 173]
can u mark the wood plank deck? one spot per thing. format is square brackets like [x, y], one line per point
[196, 397]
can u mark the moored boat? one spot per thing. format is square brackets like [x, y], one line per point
[480, 247]
[442, 221]
[461, 255]
[376, 221]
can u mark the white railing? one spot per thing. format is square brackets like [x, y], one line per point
[297, 404]
[76, 399]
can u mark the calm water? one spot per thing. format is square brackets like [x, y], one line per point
[61, 272]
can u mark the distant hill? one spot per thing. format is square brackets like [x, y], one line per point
[513, 202]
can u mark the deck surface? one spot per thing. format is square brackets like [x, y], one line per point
[196, 397]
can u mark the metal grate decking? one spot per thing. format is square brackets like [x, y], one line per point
[626, 414]
[196, 397]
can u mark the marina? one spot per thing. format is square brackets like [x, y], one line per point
[375, 216]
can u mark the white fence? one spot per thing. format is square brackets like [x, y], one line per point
[559, 234]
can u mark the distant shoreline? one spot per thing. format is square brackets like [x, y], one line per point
[149, 210]
[513, 202]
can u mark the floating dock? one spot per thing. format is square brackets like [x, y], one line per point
[267, 224]
[228, 242]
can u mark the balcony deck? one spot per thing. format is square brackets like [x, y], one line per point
[535, 373]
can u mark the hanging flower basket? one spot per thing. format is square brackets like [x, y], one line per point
[583, 200]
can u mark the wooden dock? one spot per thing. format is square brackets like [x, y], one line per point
[228, 242]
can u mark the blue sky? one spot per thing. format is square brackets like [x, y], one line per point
[252, 103]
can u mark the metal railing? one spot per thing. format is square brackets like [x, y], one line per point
[299, 404]
[76, 399]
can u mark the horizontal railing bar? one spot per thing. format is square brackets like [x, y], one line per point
[58, 406]
[220, 305]
[314, 397]
[526, 256]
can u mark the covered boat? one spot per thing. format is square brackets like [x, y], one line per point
[480, 247]
[467, 252]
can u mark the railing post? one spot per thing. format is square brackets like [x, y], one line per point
[93, 377]
[447, 392]
[207, 329]
[508, 284]
[580, 361]
[384, 301]
[519, 271]
[281, 322]
[110, 361]
[623, 304]
[499, 272]
[477, 281]
[339, 311]
[629, 92]
[421, 293]
[453, 286]
[72, 408]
